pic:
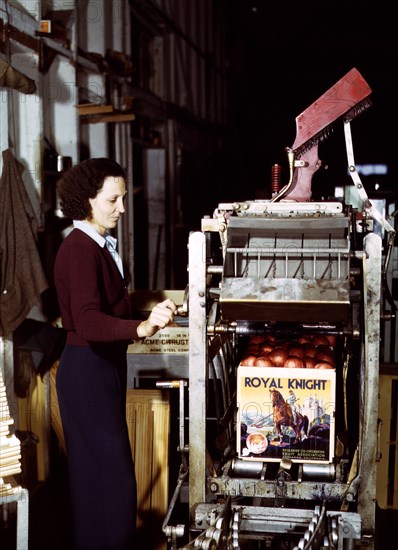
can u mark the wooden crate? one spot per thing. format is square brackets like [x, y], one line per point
[148, 419]
[33, 417]
[387, 466]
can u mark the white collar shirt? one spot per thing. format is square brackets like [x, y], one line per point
[106, 240]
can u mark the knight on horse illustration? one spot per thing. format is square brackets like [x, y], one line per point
[292, 402]
[285, 413]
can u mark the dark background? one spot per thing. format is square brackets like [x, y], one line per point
[284, 56]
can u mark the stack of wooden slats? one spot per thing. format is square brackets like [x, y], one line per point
[10, 447]
[148, 421]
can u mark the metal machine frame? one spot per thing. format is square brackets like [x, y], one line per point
[232, 502]
[361, 488]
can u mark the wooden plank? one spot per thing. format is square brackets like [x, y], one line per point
[93, 109]
[141, 443]
[160, 474]
[117, 117]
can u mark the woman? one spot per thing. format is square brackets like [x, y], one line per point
[92, 374]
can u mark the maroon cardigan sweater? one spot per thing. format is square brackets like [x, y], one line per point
[92, 295]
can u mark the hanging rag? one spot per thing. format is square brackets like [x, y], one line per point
[22, 277]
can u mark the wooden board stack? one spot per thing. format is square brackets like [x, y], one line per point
[10, 447]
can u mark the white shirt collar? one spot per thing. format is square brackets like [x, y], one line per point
[101, 240]
[90, 231]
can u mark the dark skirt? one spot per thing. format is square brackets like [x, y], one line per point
[91, 387]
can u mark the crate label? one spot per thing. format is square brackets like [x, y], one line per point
[170, 340]
[286, 414]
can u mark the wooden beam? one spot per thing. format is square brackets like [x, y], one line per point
[117, 117]
[93, 109]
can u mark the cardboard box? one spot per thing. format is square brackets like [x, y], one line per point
[271, 429]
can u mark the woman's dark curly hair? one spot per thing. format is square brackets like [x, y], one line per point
[82, 182]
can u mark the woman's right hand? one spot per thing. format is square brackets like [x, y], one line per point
[160, 317]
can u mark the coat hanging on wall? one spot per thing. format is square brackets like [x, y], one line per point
[22, 277]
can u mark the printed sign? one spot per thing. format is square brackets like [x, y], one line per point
[169, 340]
[286, 413]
